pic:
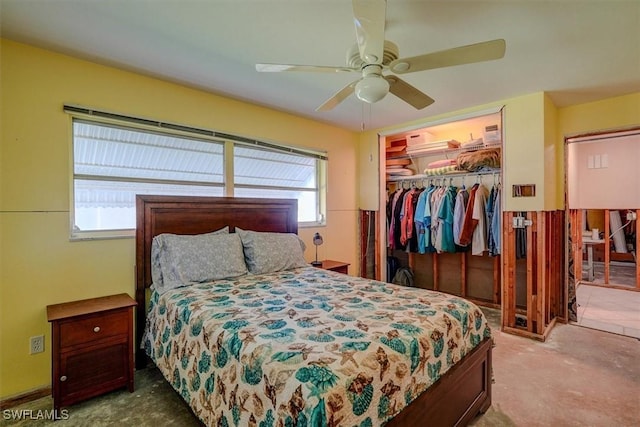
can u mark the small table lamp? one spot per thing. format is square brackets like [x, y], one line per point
[317, 241]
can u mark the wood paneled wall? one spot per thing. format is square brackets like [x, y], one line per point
[545, 297]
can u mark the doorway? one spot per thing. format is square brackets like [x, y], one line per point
[603, 203]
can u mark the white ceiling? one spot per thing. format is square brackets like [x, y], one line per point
[576, 50]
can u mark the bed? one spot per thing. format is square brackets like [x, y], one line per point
[303, 346]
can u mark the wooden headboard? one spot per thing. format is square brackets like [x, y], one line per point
[196, 215]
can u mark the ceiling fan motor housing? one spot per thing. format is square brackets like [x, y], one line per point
[390, 53]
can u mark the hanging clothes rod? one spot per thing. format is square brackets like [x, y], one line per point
[445, 176]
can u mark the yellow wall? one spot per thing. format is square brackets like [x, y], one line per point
[608, 114]
[38, 263]
[523, 151]
[551, 144]
[369, 171]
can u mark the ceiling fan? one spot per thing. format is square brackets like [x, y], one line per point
[372, 54]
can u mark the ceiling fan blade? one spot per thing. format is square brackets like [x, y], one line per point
[485, 51]
[408, 93]
[369, 17]
[338, 97]
[275, 68]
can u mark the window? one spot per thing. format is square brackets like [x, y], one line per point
[262, 173]
[114, 162]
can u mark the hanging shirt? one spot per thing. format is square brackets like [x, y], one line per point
[435, 219]
[427, 220]
[445, 214]
[466, 234]
[489, 218]
[458, 213]
[479, 238]
[419, 220]
[496, 223]
[392, 225]
[412, 244]
[397, 213]
[406, 227]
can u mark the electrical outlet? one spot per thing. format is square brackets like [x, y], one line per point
[631, 216]
[36, 344]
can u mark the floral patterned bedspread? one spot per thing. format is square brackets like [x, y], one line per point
[306, 347]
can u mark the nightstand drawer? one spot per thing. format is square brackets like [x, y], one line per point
[94, 327]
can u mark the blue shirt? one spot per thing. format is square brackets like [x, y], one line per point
[418, 219]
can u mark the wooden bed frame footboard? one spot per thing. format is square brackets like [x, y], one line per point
[462, 393]
[455, 399]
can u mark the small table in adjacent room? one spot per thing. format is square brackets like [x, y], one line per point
[338, 266]
[589, 243]
[92, 347]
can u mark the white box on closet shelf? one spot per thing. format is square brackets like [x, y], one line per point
[492, 135]
[418, 138]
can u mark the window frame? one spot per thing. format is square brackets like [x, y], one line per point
[101, 118]
[319, 189]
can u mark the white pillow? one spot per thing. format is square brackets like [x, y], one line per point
[270, 252]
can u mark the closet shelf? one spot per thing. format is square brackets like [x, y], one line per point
[453, 151]
[448, 152]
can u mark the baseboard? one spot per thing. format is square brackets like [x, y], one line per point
[10, 402]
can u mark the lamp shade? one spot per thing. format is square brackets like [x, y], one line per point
[372, 88]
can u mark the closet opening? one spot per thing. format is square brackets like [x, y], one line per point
[603, 204]
[431, 179]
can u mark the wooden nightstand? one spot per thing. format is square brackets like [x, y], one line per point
[92, 347]
[339, 266]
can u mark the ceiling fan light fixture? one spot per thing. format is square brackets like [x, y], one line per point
[372, 88]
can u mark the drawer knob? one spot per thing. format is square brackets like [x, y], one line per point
[96, 329]
[63, 378]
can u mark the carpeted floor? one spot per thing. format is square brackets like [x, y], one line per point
[153, 403]
[577, 377]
